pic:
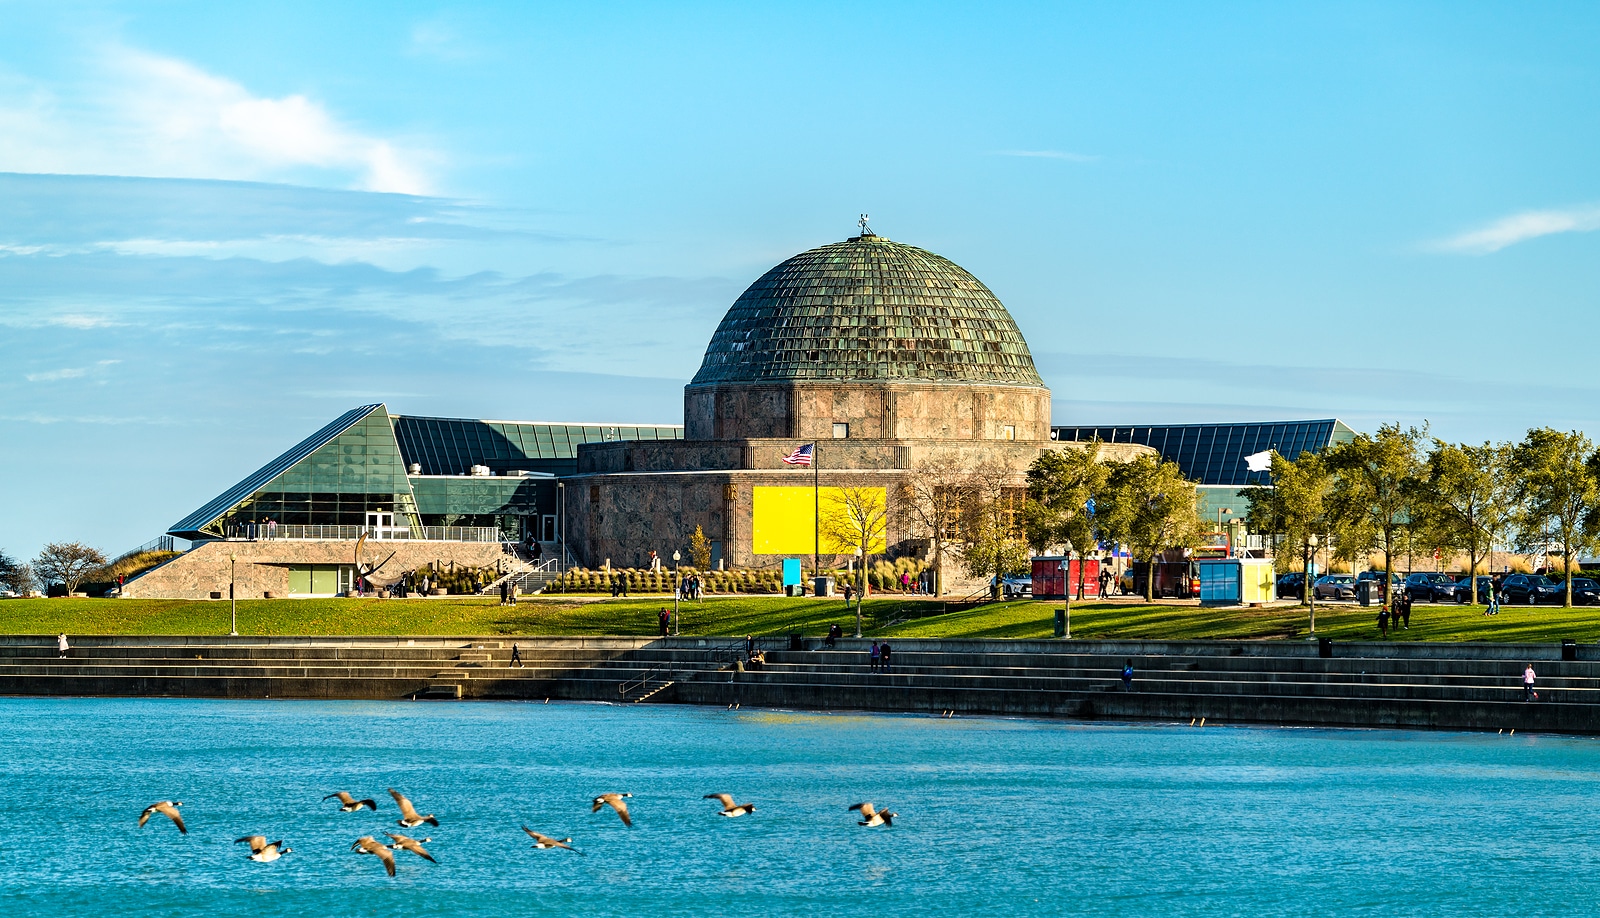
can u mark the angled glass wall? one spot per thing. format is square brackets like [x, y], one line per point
[1213, 454]
[452, 446]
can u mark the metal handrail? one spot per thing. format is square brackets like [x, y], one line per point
[670, 666]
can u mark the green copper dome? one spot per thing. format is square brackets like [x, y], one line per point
[868, 309]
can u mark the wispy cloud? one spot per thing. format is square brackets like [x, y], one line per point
[1050, 154]
[136, 113]
[1508, 231]
[53, 375]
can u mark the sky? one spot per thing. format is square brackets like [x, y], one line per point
[222, 225]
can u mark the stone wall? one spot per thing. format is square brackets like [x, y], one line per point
[263, 567]
[874, 411]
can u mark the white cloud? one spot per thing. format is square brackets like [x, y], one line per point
[1050, 154]
[1532, 224]
[53, 375]
[137, 113]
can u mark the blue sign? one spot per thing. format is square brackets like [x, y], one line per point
[791, 571]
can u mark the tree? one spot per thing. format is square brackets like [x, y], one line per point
[1375, 481]
[9, 571]
[1149, 505]
[1295, 507]
[934, 500]
[67, 563]
[993, 542]
[1464, 500]
[700, 550]
[1556, 488]
[1063, 486]
[859, 518]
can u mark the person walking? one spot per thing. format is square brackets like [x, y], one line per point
[1127, 675]
[516, 656]
[872, 660]
[1404, 599]
[1105, 583]
[1383, 619]
[1528, 694]
[502, 594]
[883, 656]
[61, 646]
[664, 618]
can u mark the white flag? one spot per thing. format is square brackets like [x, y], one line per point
[1259, 462]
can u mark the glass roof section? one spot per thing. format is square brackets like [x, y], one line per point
[1213, 454]
[452, 446]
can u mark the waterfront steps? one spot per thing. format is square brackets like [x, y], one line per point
[1376, 684]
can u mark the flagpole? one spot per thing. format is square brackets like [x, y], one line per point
[816, 512]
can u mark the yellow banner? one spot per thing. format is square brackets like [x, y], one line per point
[785, 520]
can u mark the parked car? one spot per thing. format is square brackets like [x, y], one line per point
[1291, 585]
[1486, 587]
[1585, 592]
[1012, 587]
[1531, 589]
[1395, 580]
[1429, 587]
[1334, 586]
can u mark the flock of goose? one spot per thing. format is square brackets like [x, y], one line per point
[264, 851]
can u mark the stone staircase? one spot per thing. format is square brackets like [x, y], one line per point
[1364, 684]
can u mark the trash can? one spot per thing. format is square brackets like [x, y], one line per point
[822, 586]
[1569, 650]
[794, 589]
[1061, 623]
[1364, 592]
[1325, 648]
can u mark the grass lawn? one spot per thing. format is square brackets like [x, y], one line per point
[734, 616]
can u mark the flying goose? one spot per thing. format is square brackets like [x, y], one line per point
[729, 808]
[351, 804]
[263, 851]
[545, 842]
[167, 808]
[366, 844]
[414, 845]
[615, 802]
[409, 817]
[871, 816]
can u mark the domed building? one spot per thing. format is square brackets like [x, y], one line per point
[884, 358]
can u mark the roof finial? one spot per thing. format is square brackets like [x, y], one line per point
[865, 229]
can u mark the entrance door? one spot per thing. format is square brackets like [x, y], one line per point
[380, 525]
[549, 534]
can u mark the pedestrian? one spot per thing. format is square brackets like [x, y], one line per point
[846, 591]
[1494, 601]
[905, 581]
[516, 656]
[883, 656]
[1528, 694]
[872, 662]
[61, 646]
[502, 594]
[1105, 583]
[833, 636]
[1127, 675]
[749, 645]
[1405, 609]
[664, 617]
[1383, 620]
[511, 592]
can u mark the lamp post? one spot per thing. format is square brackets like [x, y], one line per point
[1066, 591]
[677, 589]
[1311, 594]
[233, 600]
[859, 575]
[561, 525]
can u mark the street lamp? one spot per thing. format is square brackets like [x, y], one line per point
[1311, 594]
[677, 589]
[860, 577]
[233, 600]
[561, 525]
[1066, 591]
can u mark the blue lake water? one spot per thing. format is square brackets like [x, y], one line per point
[996, 816]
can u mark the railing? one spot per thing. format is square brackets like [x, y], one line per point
[253, 532]
[650, 675]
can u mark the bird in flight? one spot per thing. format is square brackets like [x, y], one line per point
[167, 808]
[366, 844]
[263, 851]
[545, 842]
[871, 816]
[351, 804]
[729, 808]
[615, 802]
[409, 817]
[406, 843]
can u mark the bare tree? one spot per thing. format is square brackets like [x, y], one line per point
[67, 563]
[932, 502]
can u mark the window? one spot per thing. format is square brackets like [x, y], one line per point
[1010, 431]
[841, 431]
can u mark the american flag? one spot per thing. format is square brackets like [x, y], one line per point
[801, 456]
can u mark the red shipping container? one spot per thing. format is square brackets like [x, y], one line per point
[1048, 583]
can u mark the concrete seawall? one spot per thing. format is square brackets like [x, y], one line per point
[1365, 684]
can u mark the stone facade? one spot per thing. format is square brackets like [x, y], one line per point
[262, 567]
[872, 410]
